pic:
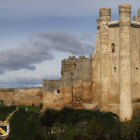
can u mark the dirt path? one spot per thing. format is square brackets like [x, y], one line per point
[11, 114]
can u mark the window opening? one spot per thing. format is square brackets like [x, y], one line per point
[125, 119]
[113, 47]
[114, 69]
[58, 91]
[74, 65]
[137, 68]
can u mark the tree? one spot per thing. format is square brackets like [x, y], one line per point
[95, 130]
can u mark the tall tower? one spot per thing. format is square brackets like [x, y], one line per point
[105, 71]
[139, 14]
[126, 109]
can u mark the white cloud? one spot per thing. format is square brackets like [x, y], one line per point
[41, 47]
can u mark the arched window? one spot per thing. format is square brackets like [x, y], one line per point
[58, 91]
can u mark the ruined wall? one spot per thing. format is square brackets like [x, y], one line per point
[7, 95]
[22, 96]
[28, 96]
[75, 85]
[52, 98]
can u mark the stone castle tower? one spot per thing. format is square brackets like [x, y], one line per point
[109, 79]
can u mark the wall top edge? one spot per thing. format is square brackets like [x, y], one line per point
[135, 22]
[117, 22]
[113, 22]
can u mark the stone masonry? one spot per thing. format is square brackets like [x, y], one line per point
[108, 80]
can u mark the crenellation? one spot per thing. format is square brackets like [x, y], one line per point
[125, 8]
[104, 12]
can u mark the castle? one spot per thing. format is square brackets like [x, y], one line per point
[108, 80]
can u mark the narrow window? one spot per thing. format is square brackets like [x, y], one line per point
[137, 68]
[74, 65]
[58, 91]
[114, 69]
[125, 119]
[113, 47]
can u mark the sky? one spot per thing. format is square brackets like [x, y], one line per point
[36, 35]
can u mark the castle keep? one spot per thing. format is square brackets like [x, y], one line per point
[109, 80]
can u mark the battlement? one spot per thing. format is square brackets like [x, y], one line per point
[73, 58]
[104, 12]
[125, 8]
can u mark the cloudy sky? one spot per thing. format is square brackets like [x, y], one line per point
[35, 35]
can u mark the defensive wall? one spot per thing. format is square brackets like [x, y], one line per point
[21, 96]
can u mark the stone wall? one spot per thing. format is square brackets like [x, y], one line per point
[52, 97]
[28, 96]
[75, 85]
[22, 96]
[135, 48]
[7, 95]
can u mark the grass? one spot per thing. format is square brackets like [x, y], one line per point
[34, 109]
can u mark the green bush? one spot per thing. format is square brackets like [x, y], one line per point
[38, 135]
[49, 117]
[24, 124]
[40, 106]
[67, 124]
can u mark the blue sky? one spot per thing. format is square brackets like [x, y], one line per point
[35, 35]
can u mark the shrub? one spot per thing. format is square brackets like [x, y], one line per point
[95, 129]
[5, 111]
[40, 106]
[38, 135]
[24, 124]
[49, 117]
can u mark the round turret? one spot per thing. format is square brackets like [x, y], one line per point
[125, 8]
[135, 18]
[139, 12]
[104, 12]
[98, 23]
